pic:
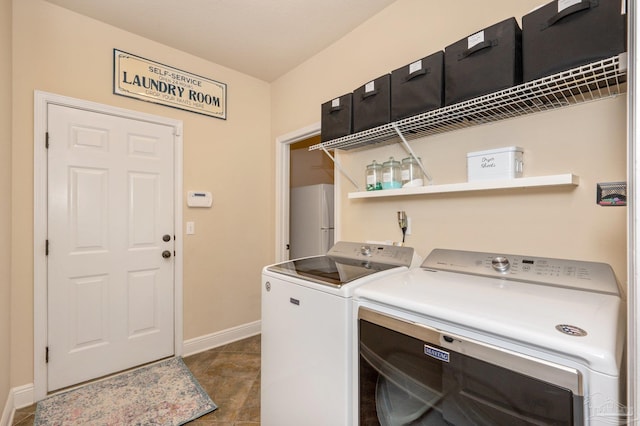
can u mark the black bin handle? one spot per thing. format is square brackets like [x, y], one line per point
[417, 73]
[478, 47]
[583, 5]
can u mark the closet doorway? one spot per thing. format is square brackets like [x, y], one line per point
[291, 158]
[311, 200]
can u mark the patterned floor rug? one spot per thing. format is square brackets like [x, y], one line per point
[165, 393]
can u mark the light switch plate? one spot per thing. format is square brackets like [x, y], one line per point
[191, 228]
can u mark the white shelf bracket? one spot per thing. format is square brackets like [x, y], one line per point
[339, 166]
[410, 150]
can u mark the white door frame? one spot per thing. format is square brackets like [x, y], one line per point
[41, 101]
[633, 212]
[283, 151]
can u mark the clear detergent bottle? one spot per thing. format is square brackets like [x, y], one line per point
[374, 176]
[391, 174]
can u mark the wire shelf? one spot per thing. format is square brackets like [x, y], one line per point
[587, 83]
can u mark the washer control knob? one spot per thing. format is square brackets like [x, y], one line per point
[365, 250]
[500, 264]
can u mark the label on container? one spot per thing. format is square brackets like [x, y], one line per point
[477, 38]
[387, 177]
[563, 4]
[371, 179]
[335, 103]
[406, 175]
[488, 162]
[370, 87]
[416, 66]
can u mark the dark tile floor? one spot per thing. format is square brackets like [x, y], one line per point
[231, 376]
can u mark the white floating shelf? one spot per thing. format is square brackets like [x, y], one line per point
[484, 185]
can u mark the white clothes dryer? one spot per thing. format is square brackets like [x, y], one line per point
[491, 339]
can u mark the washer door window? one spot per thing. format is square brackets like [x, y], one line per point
[409, 381]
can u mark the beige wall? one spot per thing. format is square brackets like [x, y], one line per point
[61, 52]
[5, 195]
[588, 140]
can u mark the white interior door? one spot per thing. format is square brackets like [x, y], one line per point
[110, 294]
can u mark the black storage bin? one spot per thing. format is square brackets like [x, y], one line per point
[417, 87]
[487, 61]
[337, 118]
[556, 38]
[372, 104]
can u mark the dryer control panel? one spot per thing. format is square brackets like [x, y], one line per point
[589, 276]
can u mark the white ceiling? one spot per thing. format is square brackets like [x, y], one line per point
[261, 38]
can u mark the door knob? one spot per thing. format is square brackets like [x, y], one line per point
[166, 238]
[166, 254]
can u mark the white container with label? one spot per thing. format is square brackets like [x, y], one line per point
[500, 163]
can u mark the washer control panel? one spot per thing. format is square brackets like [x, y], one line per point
[590, 276]
[379, 253]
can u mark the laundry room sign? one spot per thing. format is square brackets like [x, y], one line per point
[140, 78]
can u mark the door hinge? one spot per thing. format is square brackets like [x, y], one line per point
[46, 355]
[46, 248]
[46, 140]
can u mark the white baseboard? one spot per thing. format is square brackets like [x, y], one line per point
[214, 340]
[7, 413]
[23, 396]
[19, 397]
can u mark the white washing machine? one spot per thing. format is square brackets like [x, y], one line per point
[307, 331]
[483, 339]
